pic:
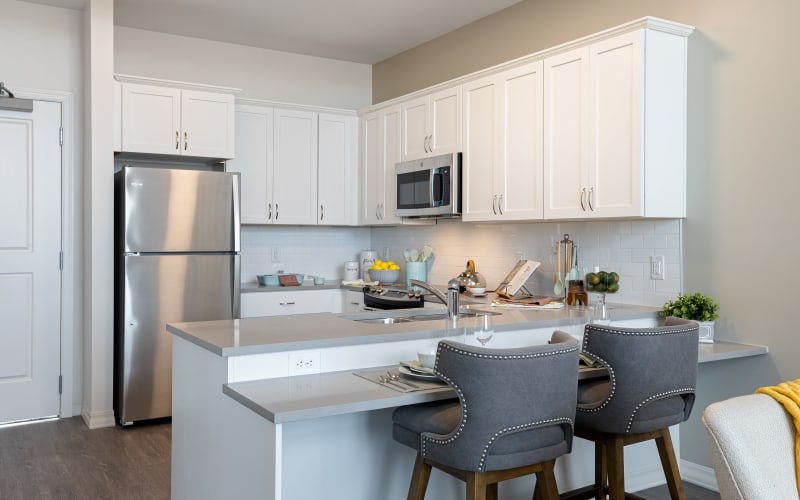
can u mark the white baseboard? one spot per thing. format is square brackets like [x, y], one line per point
[699, 475]
[99, 419]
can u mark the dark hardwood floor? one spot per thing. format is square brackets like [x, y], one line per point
[63, 460]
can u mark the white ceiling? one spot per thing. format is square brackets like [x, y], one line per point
[363, 31]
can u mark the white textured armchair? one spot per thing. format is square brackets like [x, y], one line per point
[752, 440]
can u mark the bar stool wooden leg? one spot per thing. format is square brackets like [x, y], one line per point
[615, 462]
[546, 488]
[491, 491]
[419, 479]
[476, 486]
[600, 469]
[670, 465]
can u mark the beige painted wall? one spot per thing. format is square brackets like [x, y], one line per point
[740, 234]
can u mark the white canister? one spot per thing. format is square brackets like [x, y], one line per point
[367, 259]
[351, 270]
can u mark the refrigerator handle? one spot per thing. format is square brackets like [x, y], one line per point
[236, 219]
[237, 288]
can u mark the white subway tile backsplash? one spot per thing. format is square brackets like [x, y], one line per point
[624, 246]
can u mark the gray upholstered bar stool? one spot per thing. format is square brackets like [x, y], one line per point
[651, 386]
[513, 417]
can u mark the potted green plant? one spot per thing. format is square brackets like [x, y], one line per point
[697, 307]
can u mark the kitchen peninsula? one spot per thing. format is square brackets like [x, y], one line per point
[245, 427]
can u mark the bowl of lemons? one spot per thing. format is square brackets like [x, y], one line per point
[384, 272]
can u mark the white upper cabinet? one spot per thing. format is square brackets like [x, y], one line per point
[432, 124]
[295, 167]
[502, 157]
[298, 167]
[615, 128]
[174, 121]
[337, 173]
[380, 150]
[254, 160]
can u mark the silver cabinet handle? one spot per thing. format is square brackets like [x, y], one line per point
[377, 214]
[321, 213]
[591, 197]
[177, 140]
[269, 217]
[583, 196]
[287, 303]
[494, 204]
[276, 212]
[185, 141]
[355, 303]
[380, 211]
[500, 204]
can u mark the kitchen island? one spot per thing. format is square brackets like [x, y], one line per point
[245, 426]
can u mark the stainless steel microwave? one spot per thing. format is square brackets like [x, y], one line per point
[429, 187]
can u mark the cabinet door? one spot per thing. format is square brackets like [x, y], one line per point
[445, 121]
[207, 124]
[294, 190]
[254, 162]
[391, 140]
[352, 301]
[415, 128]
[519, 167]
[480, 150]
[151, 119]
[615, 176]
[370, 159]
[289, 302]
[336, 170]
[565, 134]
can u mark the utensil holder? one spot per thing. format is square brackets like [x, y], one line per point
[416, 271]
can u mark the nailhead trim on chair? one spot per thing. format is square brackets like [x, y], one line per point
[463, 401]
[655, 396]
[664, 330]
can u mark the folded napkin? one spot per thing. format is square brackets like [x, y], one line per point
[359, 283]
[416, 366]
[535, 303]
[788, 394]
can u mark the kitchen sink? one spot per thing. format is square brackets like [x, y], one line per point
[391, 320]
[385, 321]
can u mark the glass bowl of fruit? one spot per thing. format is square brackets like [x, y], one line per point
[601, 283]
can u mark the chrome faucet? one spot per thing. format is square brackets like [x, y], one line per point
[451, 300]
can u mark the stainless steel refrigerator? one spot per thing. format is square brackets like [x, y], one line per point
[176, 259]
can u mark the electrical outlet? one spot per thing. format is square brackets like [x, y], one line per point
[657, 267]
[304, 363]
[276, 254]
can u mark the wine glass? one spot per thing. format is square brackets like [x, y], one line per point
[484, 329]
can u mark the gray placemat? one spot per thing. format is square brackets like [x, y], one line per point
[374, 375]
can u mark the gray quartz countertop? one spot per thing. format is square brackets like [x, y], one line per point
[315, 331]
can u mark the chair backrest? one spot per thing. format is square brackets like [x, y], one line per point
[752, 443]
[503, 392]
[646, 366]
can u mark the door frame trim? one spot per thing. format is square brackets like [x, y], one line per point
[67, 407]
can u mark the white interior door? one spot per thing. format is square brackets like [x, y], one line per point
[30, 279]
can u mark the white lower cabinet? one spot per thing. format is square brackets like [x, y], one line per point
[282, 303]
[352, 301]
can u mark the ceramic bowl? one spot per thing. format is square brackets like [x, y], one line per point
[477, 291]
[427, 359]
[386, 277]
[268, 280]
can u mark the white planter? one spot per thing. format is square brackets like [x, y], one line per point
[706, 332]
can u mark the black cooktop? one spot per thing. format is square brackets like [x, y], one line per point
[379, 297]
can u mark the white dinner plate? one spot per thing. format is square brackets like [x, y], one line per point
[408, 373]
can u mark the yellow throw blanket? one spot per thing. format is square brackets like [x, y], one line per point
[788, 394]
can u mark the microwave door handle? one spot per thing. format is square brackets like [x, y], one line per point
[432, 183]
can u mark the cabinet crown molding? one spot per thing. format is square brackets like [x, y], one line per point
[174, 84]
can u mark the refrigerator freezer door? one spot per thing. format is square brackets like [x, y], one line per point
[173, 210]
[161, 289]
